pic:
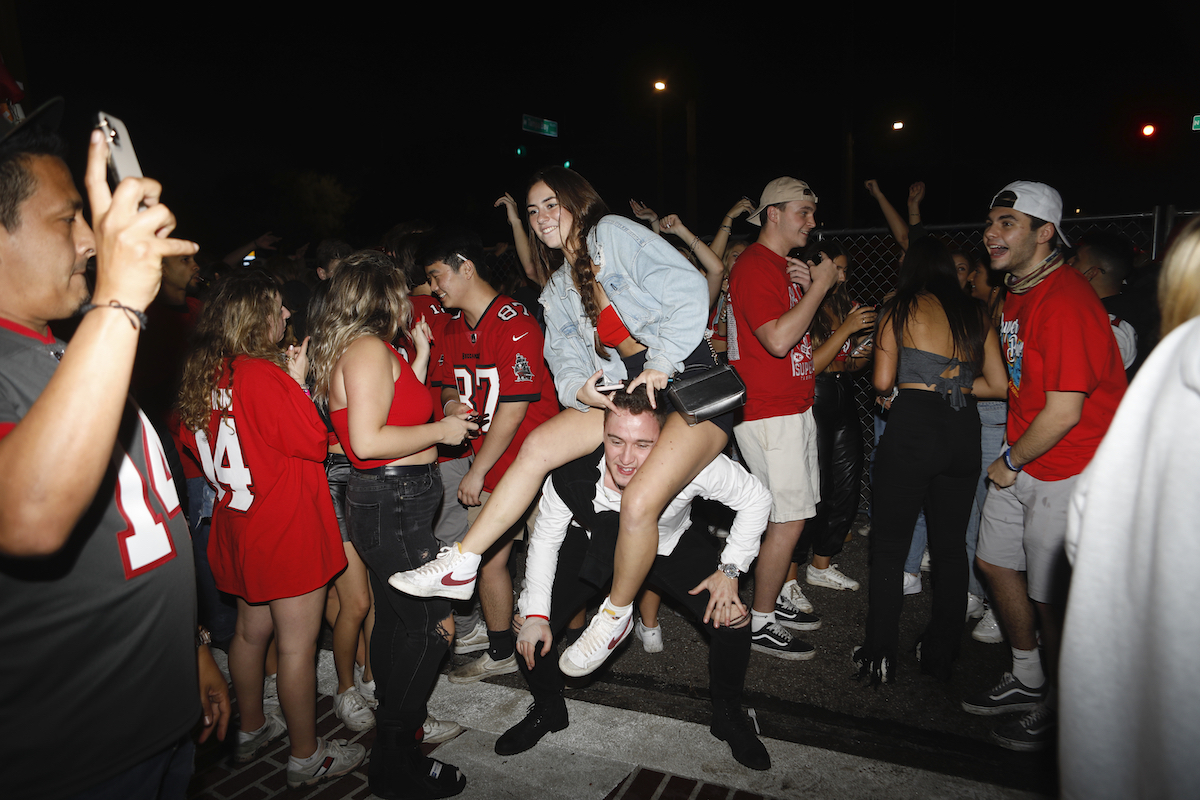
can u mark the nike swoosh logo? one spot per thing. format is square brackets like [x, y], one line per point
[620, 635]
[450, 580]
[522, 336]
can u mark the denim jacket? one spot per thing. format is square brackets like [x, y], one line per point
[660, 296]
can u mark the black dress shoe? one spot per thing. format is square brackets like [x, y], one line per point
[543, 717]
[731, 725]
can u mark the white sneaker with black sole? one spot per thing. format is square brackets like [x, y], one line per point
[776, 640]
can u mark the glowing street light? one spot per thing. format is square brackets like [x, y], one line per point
[897, 125]
[1147, 130]
[660, 86]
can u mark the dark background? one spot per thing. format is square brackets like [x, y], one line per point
[342, 121]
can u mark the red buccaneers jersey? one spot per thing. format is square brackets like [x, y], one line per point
[274, 532]
[498, 361]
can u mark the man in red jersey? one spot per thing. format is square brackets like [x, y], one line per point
[491, 360]
[1065, 382]
[772, 299]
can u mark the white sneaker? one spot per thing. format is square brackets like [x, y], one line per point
[988, 629]
[475, 640]
[483, 667]
[831, 578]
[652, 641]
[791, 594]
[452, 574]
[925, 565]
[251, 743]
[437, 730]
[365, 688]
[353, 710]
[271, 691]
[602, 636]
[975, 606]
[912, 583]
[338, 758]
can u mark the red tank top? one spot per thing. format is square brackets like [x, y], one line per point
[411, 405]
[609, 327]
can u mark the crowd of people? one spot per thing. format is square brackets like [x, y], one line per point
[365, 440]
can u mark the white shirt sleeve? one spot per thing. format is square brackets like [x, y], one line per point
[730, 484]
[541, 552]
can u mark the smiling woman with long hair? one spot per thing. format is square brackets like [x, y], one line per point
[626, 307]
[274, 542]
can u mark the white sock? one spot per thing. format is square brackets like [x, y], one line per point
[615, 610]
[300, 763]
[1027, 667]
[760, 620]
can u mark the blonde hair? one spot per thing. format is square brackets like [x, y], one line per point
[236, 321]
[1179, 283]
[367, 296]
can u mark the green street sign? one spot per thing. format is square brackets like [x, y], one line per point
[546, 127]
[1196, 123]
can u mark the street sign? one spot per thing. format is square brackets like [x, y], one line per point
[546, 127]
[1196, 123]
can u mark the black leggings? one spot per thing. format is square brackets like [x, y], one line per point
[928, 455]
[840, 455]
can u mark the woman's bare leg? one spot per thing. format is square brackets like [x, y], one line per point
[568, 436]
[648, 607]
[354, 603]
[247, 653]
[297, 622]
[678, 457]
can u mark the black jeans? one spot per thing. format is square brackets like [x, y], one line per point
[840, 454]
[391, 525]
[928, 454]
[693, 560]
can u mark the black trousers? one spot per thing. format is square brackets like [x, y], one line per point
[928, 455]
[693, 560]
[840, 455]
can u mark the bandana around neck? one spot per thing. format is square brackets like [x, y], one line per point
[1036, 276]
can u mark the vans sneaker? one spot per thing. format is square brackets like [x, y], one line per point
[776, 640]
[1006, 697]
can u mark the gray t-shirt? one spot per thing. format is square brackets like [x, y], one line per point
[97, 642]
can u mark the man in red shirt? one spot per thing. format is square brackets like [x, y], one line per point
[772, 301]
[490, 360]
[1065, 382]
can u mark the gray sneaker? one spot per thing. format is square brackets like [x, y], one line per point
[251, 743]
[483, 667]
[474, 640]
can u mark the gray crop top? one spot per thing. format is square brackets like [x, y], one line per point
[921, 366]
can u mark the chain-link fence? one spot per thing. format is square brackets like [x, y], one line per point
[875, 256]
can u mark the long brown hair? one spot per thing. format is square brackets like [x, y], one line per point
[836, 305]
[235, 321]
[367, 296]
[577, 197]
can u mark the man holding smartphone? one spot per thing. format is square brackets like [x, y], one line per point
[98, 638]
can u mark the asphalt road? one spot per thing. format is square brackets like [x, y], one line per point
[916, 721]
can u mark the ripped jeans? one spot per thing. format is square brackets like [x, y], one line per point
[390, 518]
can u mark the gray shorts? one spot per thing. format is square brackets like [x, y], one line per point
[1023, 527]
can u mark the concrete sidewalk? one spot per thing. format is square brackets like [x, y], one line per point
[606, 753]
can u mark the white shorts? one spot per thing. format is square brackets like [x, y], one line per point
[782, 453]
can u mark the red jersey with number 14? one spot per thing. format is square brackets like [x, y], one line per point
[274, 532]
[498, 361]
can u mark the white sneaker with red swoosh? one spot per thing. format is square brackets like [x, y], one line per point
[597, 643]
[452, 574]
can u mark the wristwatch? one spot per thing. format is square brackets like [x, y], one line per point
[731, 570]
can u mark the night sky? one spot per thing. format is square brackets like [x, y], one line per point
[232, 110]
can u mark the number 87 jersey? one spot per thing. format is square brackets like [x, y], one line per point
[498, 361]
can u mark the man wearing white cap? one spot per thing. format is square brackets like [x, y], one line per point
[1065, 382]
[772, 301]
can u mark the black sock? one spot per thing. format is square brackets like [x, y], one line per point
[500, 644]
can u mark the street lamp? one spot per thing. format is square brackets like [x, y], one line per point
[897, 125]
